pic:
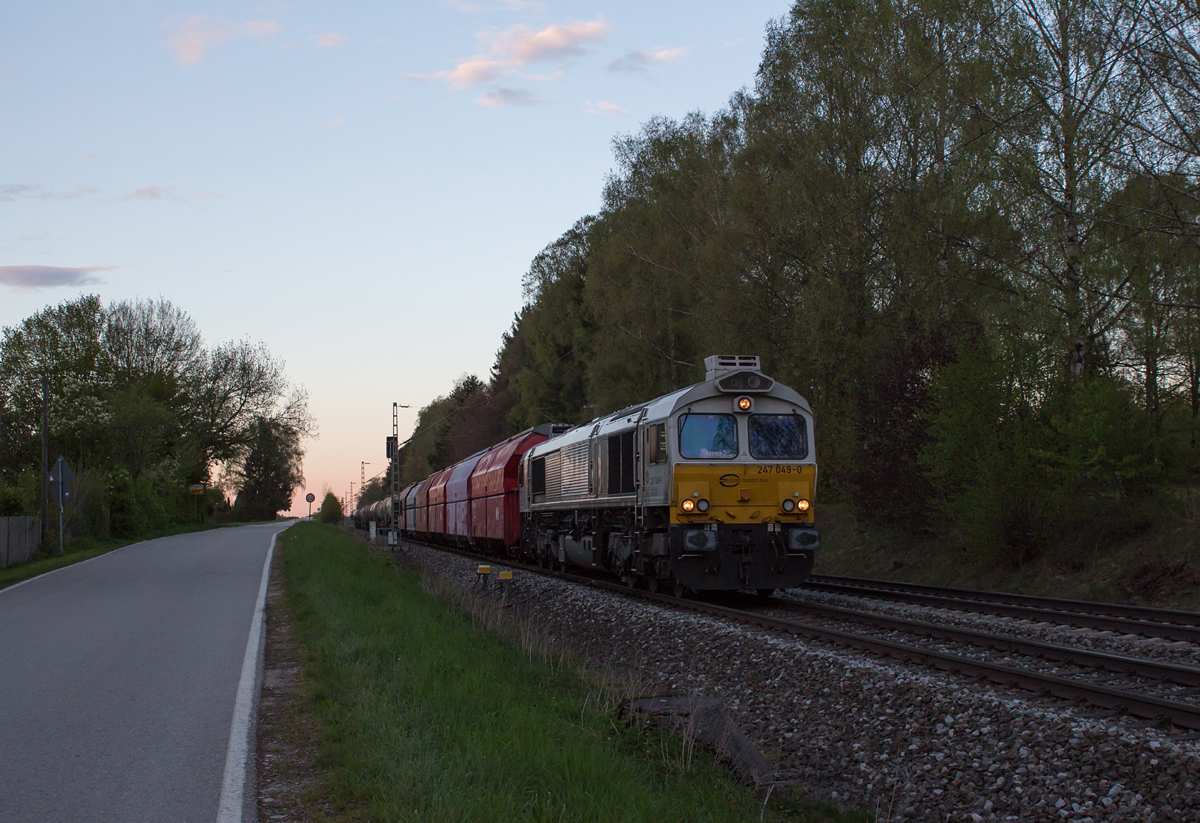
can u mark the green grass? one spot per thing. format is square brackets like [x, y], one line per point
[76, 551]
[430, 715]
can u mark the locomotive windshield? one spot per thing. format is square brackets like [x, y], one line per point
[708, 436]
[778, 437]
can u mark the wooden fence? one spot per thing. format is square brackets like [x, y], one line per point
[19, 538]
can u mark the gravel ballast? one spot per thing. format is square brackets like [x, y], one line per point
[869, 733]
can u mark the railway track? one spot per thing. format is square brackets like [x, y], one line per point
[878, 638]
[1113, 617]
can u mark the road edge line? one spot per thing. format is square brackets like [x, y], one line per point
[233, 785]
[19, 583]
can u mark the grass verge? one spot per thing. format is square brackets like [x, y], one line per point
[76, 551]
[430, 715]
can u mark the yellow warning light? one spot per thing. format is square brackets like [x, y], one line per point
[688, 505]
[744, 403]
[803, 505]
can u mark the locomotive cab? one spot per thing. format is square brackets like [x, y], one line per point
[743, 482]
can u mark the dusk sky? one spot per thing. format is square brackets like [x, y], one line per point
[360, 186]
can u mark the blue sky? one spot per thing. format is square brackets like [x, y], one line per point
[361, 186]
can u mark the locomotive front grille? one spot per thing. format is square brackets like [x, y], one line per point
[758, 556]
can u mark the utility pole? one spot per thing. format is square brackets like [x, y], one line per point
[45, 455]
[394, 533]
[362, 476]
[352, 493]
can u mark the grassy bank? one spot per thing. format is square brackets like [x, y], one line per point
[76, 551]
[1150, 557]
[430, 716]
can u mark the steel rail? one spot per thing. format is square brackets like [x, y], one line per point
[1168, 672]
[1147, 613]
[1167, 631]
[1181, 714]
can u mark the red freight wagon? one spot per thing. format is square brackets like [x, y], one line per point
[422, 507]
[495, 506]
[436, 518]
[458, 501]
[409, 524]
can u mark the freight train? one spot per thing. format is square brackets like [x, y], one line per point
[708, 488]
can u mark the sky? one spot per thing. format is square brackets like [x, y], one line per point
[361, 186]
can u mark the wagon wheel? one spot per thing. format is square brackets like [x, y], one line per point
[653, 584]
[680, 590]
[628, 578]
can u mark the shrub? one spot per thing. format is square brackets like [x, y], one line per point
[331, 509]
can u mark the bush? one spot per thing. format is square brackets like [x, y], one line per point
[331, 510]
[11, 503]
[1018, 471]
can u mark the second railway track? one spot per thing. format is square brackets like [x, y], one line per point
[1114, 617]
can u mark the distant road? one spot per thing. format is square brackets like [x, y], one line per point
[118, 679]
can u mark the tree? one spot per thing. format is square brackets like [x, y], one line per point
[1069, 157]
[62, 341]
[271, 470]
[142, 409]
[376, 489]
[234, 385]
[331, 509]
[147, 338]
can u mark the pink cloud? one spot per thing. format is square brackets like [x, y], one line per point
[148, 193]
[519, 46]
[640, 61]
[26, 191]
[191, 39]
[477, 71]
[510, 5]
[604, 107]
[554, 42]
[168, 193]
[331, 40]
[508, 97]
[24, 278]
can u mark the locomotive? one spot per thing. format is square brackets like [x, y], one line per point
[710, 487]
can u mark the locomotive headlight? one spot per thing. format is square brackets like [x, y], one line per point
[701, 505]
[745, 404]
[688, 505]
[789, 505]
[803, 505]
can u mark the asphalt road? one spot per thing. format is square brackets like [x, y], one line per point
[118, 678]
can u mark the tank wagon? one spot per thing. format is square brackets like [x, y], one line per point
[710, 487]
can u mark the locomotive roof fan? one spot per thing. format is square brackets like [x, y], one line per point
[737, 373]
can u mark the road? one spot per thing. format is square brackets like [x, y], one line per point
[118, 679]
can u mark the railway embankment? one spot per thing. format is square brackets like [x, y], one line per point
[432, 704]
[867, 732]
[1150, 555]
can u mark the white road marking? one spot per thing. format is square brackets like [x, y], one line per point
[233, 787]
[69, 566]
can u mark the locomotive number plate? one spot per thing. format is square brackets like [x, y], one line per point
[780, 469]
